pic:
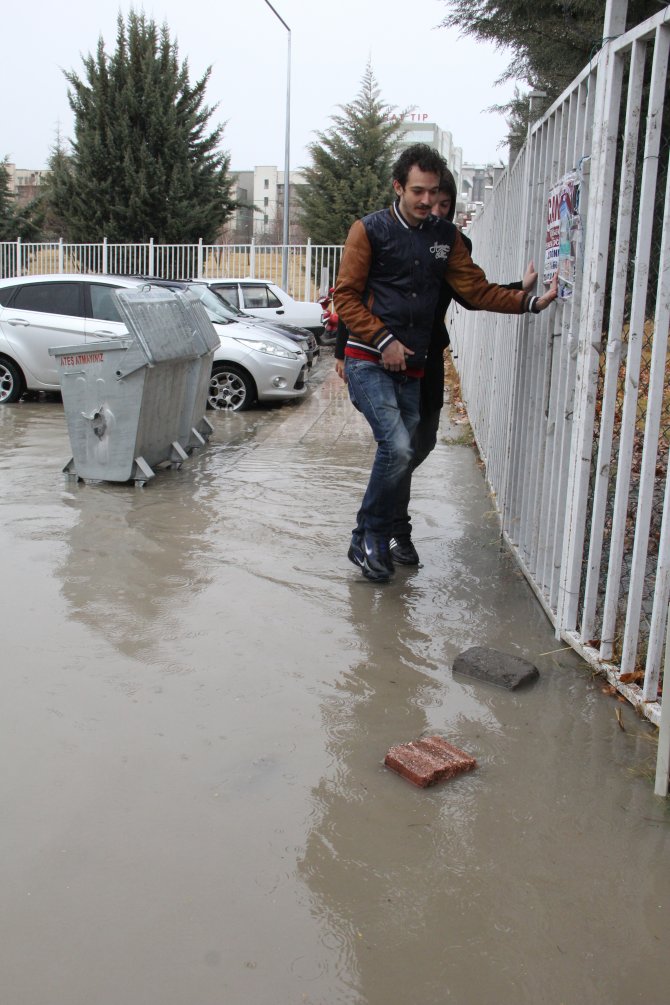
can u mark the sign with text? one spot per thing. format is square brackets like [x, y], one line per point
[564, 234]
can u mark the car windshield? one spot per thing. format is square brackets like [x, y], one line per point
[213, 305]
[234, 312]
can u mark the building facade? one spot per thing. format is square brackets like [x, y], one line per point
[477, 183]
[261, 214]
[24, 183]
[416, 128]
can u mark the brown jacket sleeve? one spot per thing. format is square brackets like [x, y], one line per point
[472, 286]
[351, 281]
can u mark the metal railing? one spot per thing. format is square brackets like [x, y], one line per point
[571, 409]
[309, 265]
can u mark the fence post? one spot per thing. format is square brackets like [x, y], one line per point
[308, 270]
[104, 256]
[252, 259]
[200, 259]
[152, 260]
[663, 759]
[61, 256]
[19, 270]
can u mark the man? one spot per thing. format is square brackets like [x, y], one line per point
[403, 551]
[394, 265]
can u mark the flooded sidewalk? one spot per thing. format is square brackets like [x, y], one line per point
[199, 691]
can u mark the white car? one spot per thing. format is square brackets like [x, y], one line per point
[39, 312]
[266, 300]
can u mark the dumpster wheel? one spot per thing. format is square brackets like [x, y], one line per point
[231, 389]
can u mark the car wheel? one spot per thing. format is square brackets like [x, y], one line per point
[11, 382]
[231, 389]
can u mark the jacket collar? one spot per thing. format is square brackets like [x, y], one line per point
[395, 211]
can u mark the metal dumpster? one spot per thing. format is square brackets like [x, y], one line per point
[131, 402]
[147, 309]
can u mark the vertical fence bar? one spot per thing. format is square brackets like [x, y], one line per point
[663, 758]
[583, 142]
[536, 419]
[661, 596]
[309, 292]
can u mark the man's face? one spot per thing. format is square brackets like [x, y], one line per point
[441, 206]
[418, 195]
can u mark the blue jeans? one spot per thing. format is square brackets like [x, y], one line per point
[390, 403]
[424, 441]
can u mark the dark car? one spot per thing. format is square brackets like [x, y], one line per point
[305, 339]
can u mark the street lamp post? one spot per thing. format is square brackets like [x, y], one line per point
[287, 154]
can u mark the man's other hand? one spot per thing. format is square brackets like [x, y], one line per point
[529, 277]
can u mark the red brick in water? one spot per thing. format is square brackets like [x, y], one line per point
[428, 761]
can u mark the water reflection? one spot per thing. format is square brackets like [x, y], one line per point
[135, 558]
[373, 837]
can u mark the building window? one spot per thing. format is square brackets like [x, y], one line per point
[266, 183]
[265, 219]
[266, 201]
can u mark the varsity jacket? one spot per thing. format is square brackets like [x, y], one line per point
[390, 280]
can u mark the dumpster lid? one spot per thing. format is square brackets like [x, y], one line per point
[165, 328]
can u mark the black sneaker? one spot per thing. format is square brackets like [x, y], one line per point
[356, 553]
[403, 551]
[377, 563]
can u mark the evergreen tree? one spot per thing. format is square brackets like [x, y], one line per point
[551, 40]
[55, 192]
[142, 163]
[7, 215]
[350, 174]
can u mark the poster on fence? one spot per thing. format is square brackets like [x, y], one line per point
[564, 234]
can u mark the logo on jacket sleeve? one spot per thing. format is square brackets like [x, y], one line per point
[440, 250]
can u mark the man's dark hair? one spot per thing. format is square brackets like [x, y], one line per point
[421, 156]
[448, 187]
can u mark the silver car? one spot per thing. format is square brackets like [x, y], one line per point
[38, 312]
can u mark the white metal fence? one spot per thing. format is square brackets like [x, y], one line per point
[308, 264]
[571, 409]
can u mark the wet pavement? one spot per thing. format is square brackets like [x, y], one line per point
[199, 691]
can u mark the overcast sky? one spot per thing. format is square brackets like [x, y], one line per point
[450, 79]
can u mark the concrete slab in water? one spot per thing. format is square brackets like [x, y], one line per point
[495, 667]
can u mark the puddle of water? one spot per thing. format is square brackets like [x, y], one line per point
[199, 693]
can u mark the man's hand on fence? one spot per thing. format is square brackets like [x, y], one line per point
[547, 298]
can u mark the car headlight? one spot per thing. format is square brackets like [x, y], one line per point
[271, 348]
